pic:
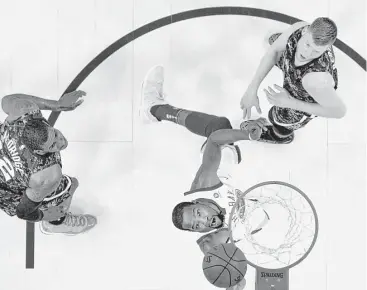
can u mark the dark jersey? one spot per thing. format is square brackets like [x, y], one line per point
[293, 76]
[17, 163]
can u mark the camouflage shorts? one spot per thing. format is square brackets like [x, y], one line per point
[53, 206]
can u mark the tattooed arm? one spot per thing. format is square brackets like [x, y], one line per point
[17, 105]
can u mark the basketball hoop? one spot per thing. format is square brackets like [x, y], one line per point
[276, 226]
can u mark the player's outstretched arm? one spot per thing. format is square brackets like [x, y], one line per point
[16, 105]
[41, 184]
[212, 153]
[207, 176]
[270, 58]
[273, 54]
[320, 86]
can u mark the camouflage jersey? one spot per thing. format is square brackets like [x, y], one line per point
[293, 77]
[17, 163]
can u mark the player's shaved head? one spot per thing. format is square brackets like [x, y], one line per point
[40, 138]
[196, 216]
[35, 134]
[177, 214]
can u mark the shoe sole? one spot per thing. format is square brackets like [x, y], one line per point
[65, 234]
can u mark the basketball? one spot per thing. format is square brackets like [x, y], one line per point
[224, 265]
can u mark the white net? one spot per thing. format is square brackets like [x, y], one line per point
[275, 225]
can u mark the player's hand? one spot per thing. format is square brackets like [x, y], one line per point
[249, 100]
[207, 242]
[255, 128]
[240, 286]
[70, 101]
[280, 99]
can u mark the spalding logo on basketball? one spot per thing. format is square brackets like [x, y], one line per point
[225, 265]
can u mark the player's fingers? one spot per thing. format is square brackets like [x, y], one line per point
[264, 123]
[249, 113]
[270, 99]
[267, 94]
[255, 132]
[279, 87]
[263, 120]
[271, 90]
[258, 109]
[260, 123]
[81, 93]
[245, 112]
[78, 103]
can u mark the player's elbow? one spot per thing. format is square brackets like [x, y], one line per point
[339, 112]
[5, 103]
[24, 214]
[27, 209]
[212, 140]
[218, 138]
[20, 213]
[342, 111]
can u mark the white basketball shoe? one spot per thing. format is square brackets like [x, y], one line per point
[72, 225]
[152, 93]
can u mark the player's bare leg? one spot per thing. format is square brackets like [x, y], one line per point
[155, 108]
[59, 220]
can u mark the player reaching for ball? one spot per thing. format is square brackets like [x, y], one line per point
[32, 185]
[305, 54]
[211, 197]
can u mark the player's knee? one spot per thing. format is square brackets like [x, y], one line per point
[221, 123]
[20, 213]
[27, 212]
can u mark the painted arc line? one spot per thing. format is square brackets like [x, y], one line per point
[203, 12]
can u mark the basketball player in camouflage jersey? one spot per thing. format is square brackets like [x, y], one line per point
[211, 197]
[305, 55]
[32, 186]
